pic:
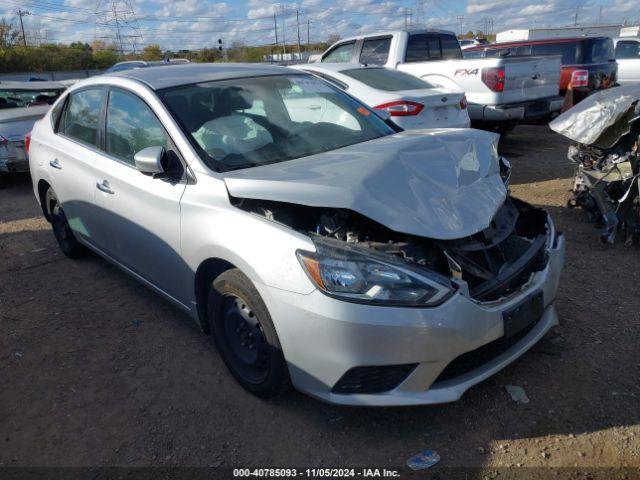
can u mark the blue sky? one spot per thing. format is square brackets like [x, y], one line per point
[192, 24]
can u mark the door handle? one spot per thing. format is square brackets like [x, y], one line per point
[55, 163]
[104, 187]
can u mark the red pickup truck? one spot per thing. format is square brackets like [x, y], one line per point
[588, 63]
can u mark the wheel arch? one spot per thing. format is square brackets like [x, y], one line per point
[43, 186]
[206, 273]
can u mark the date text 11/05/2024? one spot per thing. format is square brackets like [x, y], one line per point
[316, 472]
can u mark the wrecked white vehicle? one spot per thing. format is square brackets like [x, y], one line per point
[363, 265]
[606, 130]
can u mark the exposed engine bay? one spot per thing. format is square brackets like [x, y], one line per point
[606, 132]
[607, 179]
[491, 264]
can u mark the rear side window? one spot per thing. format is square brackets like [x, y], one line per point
[340, 54]
[131, 126]
[422, 47]
[598, 50]
[81, 118]
[375, 51]
[570, 51]
[626, 49]
[450, 47]
[385, 79]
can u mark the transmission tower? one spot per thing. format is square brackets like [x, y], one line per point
[116, 23]
[419, 10]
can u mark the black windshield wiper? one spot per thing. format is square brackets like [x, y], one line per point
[228, 168]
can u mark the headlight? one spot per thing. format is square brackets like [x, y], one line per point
[358, 275]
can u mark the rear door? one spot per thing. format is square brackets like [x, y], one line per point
[139, 214]
[70, 156]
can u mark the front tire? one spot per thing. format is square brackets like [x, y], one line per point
[60, 226]
[245, 336]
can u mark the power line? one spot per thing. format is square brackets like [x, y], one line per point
[119, 17]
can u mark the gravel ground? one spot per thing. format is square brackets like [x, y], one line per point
[97, 370]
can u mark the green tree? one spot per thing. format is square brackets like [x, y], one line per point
[152, 52]
[105, 57]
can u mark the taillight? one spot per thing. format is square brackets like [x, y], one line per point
[580, 78]
[27, 141]
[493, 78]
[463, 102]
[401, 108]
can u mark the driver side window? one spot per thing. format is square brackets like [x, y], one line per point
[131, 126]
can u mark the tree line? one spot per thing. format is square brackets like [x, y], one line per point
[16, 57]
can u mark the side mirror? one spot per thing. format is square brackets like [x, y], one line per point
[149, 160]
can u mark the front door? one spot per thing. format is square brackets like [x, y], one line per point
[139, 214]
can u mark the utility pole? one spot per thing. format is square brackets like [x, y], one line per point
[308, 30]
[406, 18]
[600, 16]
[298, 25]
[575, 18]
[275, 27]
[284, 27]
[21, 13]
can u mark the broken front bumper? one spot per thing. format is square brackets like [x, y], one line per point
[325, 340]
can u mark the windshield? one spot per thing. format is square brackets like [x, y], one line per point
[384, 79]
[13, 98]
[247, 122]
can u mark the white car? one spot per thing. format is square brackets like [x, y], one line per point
[628, 58]
[410, 101]
[362, 265]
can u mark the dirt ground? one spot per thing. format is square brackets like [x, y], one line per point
[97, 370]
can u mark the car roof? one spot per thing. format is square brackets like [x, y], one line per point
[396, 32]
[533, 42]
[158, 78]
[333, 66]
[35, 86]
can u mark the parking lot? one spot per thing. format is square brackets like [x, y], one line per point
[97, 370]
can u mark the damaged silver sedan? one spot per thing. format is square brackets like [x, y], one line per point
[320, 247]
[606, 130]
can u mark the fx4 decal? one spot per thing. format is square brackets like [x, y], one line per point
[464, 72]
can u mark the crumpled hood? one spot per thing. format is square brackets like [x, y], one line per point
[441, 184]
[585, 122]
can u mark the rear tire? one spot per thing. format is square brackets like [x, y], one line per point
[245, 336]
[61, 229]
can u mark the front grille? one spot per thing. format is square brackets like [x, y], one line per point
[469, 361]
[373, 379]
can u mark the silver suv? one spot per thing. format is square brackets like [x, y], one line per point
[317, 244]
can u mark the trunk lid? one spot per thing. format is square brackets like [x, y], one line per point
[440, 105]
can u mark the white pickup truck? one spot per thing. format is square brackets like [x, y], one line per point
[628, 58]
[500, 91]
